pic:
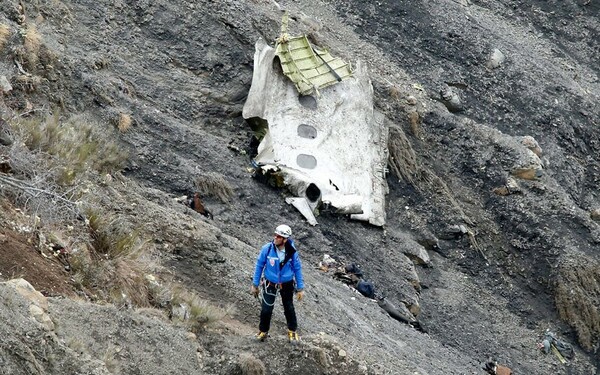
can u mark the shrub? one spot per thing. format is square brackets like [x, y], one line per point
[199, 313]
[112, 237]
[394, 92]
[31, 42]
[402, 157]
[112, 267]
[74, 145]
[110, 359]
[214, 184]
[4, 35]
[577, 298]
[124, 122]
[250, 365]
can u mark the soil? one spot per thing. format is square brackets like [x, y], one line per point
[182, 72]
[19, 258]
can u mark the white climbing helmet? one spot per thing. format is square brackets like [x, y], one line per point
[283, 231]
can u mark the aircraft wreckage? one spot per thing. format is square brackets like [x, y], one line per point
[319, 132]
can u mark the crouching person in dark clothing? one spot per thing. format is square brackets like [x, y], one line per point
[279, 262]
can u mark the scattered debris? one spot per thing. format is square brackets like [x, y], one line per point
[492, 367]
[393, 311]
[326, 147]
[304, 206]
[196, 204]
[560, 348]
[457, 231]
[327, 263]
[308, 67]
[532, 173]
[352, 275]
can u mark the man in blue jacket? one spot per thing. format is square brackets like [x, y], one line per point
[281, 264]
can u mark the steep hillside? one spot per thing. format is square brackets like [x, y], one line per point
[113, 111]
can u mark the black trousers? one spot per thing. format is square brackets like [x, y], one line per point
[269, 294]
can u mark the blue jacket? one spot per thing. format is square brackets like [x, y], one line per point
[268, 261]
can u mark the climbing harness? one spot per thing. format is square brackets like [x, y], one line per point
[264, 286]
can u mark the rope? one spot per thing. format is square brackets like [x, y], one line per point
[265, 291]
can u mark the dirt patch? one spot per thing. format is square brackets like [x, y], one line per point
[19, 259]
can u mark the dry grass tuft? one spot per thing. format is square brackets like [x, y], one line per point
[117, 281]
[110, 359]
[153, 313]
[321, 357]
[76, 147]
[32, 42]
[405, 165]
[124, 122]
[402, 160]
[395, 92]
[198, 312]
[112, 266]
[577, 298]
[28, 82]
[214, 184]
[114, 238]
[415, 121]
[76, 345]
[4, 35]
[250, 365]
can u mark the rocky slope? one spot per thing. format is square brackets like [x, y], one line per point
[493, 115]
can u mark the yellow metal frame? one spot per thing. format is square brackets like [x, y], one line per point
[309, 68]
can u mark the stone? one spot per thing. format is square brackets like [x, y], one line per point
[41, 317]
[414, 308]
[511, 186]
[451, 100]
[342, 353]
[180, 312]
[530, 142]
[595, 214]
[25, 289]
[531, 173]
[4, 140]
[5, 85]
[416, 252]
[495, 59]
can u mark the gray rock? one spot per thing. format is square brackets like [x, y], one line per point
[5, 85]
[5, 141]
[451, 100]
[495, 59]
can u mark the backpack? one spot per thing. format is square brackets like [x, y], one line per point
[366, 288]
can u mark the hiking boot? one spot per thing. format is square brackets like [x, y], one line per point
[261, 336]
[293, 337]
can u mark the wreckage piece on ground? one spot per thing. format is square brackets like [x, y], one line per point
[319, 129]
